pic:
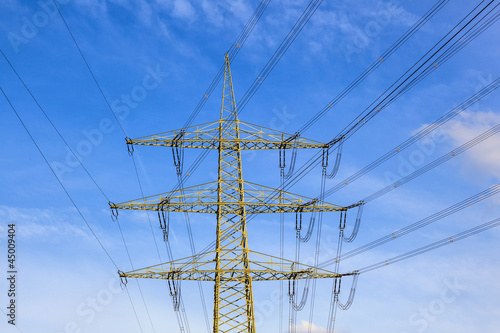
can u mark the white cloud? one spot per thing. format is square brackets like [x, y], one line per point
[45, 223]
[483, 158]
[239, 8]
[183, 10]
[212, 13]
[216, 12]
[95, 8]
[303, 327]
[145, 13]
[353, 30]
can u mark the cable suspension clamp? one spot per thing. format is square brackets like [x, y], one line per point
[336, 288]
[123, 279]
[357, 204]
[178, 152]
[291, 287]
[292, 293]
[163, 217]
[114, 211]
[282, 154]
[298, 219]
[352, 293]
[174, 286]
[357, 223]
[130, 146]
[324, 160]
[291, 282]
[298, 222]
[334, 141]
[343, 219]
[325, 157]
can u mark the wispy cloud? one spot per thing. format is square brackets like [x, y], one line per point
[212, 13]
[94, 8]
[184, 10]
[47, 224]
[351, 30]
[483, 158]
[217, 12]
[303, 327]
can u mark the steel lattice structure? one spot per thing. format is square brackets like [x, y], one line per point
[233, 267]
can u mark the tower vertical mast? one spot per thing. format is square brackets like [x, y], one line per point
[232, 267]
[233, 306]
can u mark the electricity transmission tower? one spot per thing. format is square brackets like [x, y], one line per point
[233, 267]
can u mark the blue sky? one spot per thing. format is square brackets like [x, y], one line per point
[154, 60]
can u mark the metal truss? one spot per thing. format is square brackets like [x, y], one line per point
[204, 199]
[232, 267]
[207, 136]
[263, 267]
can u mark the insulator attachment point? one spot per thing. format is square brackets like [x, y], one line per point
[130, 146]
[123, 279]
[114, 211]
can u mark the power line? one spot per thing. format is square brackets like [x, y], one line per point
[375, 64]
[448, 156]
[57, 178]
[264, 73]
[422, 68]
[53, 126]
[72, 152]
[336, 261]
[66, 143]
[138, 285]
[493, 190]
[278, 54]
[16, 326]
[286, 42]
[232, 52]
[433, 246]
[455, 152]
[388, 97]
[133, 307]
[88, 67]
[123, 131]
[417, 136]
[464, 42]
[71, 199]
[262, 76]
[333, 102]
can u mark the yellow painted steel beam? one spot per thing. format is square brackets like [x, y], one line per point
[204, 199]
[207, 136]
[203, 268]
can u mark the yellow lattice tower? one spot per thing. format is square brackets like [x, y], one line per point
[233, 267]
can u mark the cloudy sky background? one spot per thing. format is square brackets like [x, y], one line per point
[68, 284]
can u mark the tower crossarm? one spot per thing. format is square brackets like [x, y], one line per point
[203, 199]
[207, 136]
[202, 268]
[232, 266]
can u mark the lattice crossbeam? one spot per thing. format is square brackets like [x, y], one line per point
[204, 199]
[207, 136]
[202, 268]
